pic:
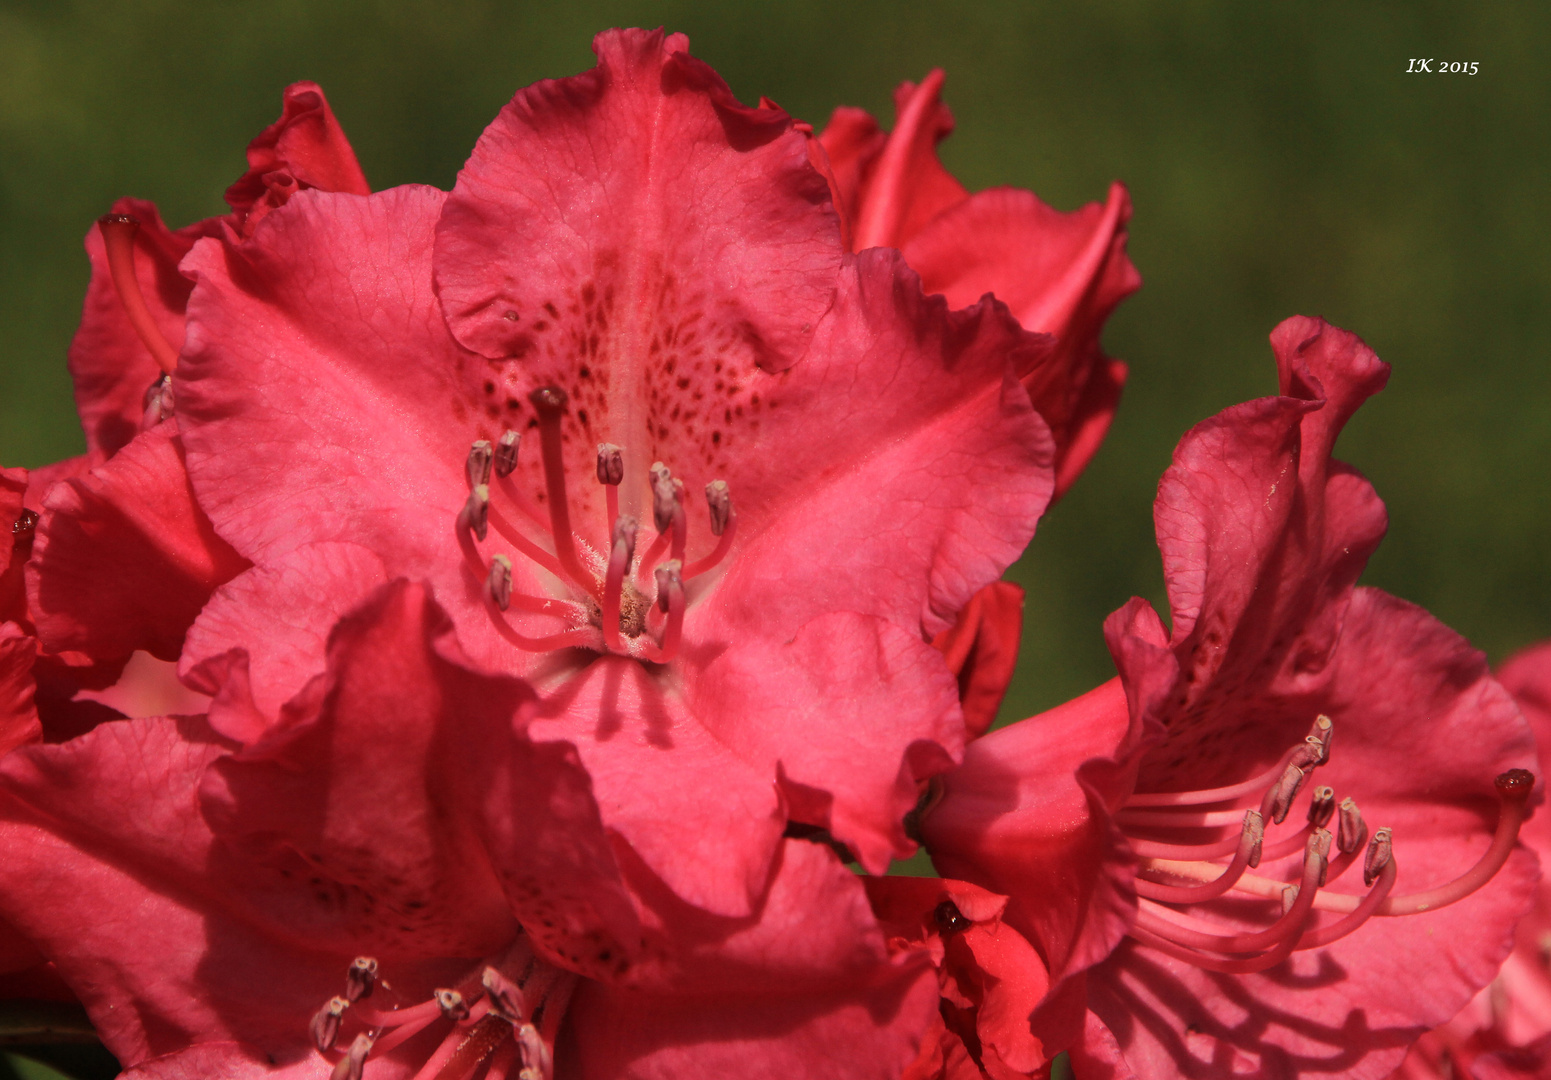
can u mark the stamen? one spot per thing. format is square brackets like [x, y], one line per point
[405, 1024]
[481, 458]
[506, 453]
[1322, 806]
[1324, 730]
[1247, 855]
[665, 496]
[475, 515]
[118, 237]
[1299, 755]
[361, 979]
[670, 598]
[498, 586]
[478, 1044]
[536, 1060]
[1278, 801]
[1315, 939]
[621, 554]
[550, 404]
[611, 470]
[326, 1022]
[1380, 851]
[724, 526]
[157, 405]
[505, 996]
[1352, 831]
[354, 1061]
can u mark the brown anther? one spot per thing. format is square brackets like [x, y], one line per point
[668, 579]
[476, 512]
[611, 464]
[949, 919]
[549, 401]
[1284, 791]
[325, 1024]
[1380, 850]
[1353, 831]
[361, 979]
[505, 996]
[1318, 847]
[1324, 730]
[452, 1004]
[498, 582]
[353, 1063]
[1516, 784]
[506, 453]
[1289, 898]
[1309, 755]
[25, 523]
[1322, 806]
[665, 496]
[1255, 830]
[718, 500]
[481, 456]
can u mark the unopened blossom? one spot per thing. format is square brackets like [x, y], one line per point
[1211, 852]
[1505, 1032]
[1061, 273]
[399, 880]
[660, 445]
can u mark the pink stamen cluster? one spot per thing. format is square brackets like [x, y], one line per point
[507, 1022]
[639, 614]
[1179, 869]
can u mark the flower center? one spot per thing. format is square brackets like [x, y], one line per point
[507, 1013]
[1180, 869]
[626, 602]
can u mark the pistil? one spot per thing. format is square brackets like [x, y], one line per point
[118, 237]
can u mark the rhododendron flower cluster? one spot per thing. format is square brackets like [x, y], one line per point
[540, 613]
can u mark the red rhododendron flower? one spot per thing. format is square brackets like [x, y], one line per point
[636, 292]
[1199, 751]
[1059, 273]
[1505, 1033]
[207, 883]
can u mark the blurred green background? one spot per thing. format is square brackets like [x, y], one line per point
[1280, 159]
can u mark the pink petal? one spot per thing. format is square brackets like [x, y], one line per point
[982, 651]
[1062, 274]
[698, 815]
[124, 558]
[18, 715]
[296, 599]
[806, 989]
[853, 711]
[645, 206]
[303, 149]
[905, 505]
[906, 187]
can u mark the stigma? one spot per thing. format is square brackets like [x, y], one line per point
[619, 596]
[1198, 846]
[505, 1013]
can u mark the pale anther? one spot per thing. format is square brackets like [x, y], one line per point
[506, 453]
[1309, 755]
[157, 405]
[1255, 831]
[1322, 806]
[325, 1024]
[535, 1054]
[1380, 850]
[611, 463]
[1289, 898]
[505, 997]
[665, 496]
[498, 583]
[476, 512]
[452, 1004]
[1323, 730]
[668, 579]
[1353, 831]
[718, 500]
[353, 1063]
[1319, 848]
[625, 530]
[481, 457]
[361, 979]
